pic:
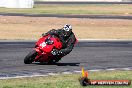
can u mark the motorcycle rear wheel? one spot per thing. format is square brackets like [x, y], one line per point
[53, 61]
[30, 57]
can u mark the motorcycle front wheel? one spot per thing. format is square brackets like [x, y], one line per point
[30, 57]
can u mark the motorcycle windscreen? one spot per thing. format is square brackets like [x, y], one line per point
[57, 43]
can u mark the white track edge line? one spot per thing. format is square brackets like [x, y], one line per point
[53, 74]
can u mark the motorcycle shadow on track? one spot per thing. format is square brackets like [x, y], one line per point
[59, 64]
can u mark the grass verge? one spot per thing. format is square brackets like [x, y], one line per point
[65, 81]
[116, 9]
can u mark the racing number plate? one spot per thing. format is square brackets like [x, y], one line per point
[43, 44]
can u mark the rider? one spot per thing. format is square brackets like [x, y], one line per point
[67, 38]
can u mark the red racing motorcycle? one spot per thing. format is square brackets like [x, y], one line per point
[43, 48]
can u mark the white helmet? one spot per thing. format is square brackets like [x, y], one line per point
[67, 27]
[67, 30]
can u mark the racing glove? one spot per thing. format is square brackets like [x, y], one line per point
[55, 52]
[44, 34]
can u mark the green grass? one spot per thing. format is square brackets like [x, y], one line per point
[74, 9]
[65, 81]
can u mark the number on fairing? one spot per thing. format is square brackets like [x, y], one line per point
[43, 44]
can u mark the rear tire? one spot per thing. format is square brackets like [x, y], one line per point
[30, 57]
[54, 61]
[51, 62]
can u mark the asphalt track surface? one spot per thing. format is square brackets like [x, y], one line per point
[90, 55]
[68, 16]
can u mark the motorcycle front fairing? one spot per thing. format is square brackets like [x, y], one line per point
[44, 48]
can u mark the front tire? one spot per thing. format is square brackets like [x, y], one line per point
[30, 57]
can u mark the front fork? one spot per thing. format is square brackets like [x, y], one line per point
[37, 58]
[41, 57]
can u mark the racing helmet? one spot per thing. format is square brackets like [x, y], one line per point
[67, 30]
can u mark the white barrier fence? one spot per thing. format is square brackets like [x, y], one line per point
[17, 3]
[30, 3]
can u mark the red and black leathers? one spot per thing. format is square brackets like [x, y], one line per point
[67, 41]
